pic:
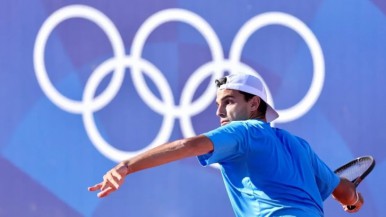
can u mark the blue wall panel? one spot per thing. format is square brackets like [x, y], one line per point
[84, 84]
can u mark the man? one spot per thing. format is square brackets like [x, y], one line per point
[267, 171]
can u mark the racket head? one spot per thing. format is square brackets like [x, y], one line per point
[357, 169]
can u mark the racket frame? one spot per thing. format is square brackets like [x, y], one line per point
[360, 178]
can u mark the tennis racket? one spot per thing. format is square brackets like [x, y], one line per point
[356, 170]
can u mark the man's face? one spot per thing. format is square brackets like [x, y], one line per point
[232, 106]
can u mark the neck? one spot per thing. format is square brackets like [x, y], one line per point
[257, 115]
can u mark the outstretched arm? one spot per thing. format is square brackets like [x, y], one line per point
[162, 154]
[347, 195]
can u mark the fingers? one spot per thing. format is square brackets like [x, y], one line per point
[115, 179]
[111, 182]
[355, 207]
[95, 187]
[105, 192]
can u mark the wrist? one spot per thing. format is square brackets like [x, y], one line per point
[124, 167]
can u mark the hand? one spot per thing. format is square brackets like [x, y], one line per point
[356, 206]
[112, 180]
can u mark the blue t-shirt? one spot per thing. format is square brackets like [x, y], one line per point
[268, 171]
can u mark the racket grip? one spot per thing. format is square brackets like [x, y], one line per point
[351, 207]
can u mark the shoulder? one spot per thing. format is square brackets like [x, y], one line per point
[248, 125]
[290, 137]
[234, 128]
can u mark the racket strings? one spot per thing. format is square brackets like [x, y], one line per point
[354, 170]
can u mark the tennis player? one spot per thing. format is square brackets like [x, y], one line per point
[267, 171]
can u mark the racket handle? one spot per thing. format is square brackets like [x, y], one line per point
[351, 207]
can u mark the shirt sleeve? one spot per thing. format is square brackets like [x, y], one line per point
[326, 179]
[228, 143]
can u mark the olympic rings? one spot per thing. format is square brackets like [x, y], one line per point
[88, 120]
[278, 18]
[112, 33]
[120, 61]
[184, 16]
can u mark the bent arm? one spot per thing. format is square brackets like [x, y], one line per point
[346, 194]
[157, 156]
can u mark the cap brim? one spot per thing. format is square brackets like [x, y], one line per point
[271, 114]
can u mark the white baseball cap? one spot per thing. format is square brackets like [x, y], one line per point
[253, 85]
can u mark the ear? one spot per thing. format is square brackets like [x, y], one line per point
[254, 103]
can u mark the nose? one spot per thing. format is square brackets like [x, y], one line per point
[220, 112]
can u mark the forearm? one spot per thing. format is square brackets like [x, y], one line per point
[169, 152]
[162, 154]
